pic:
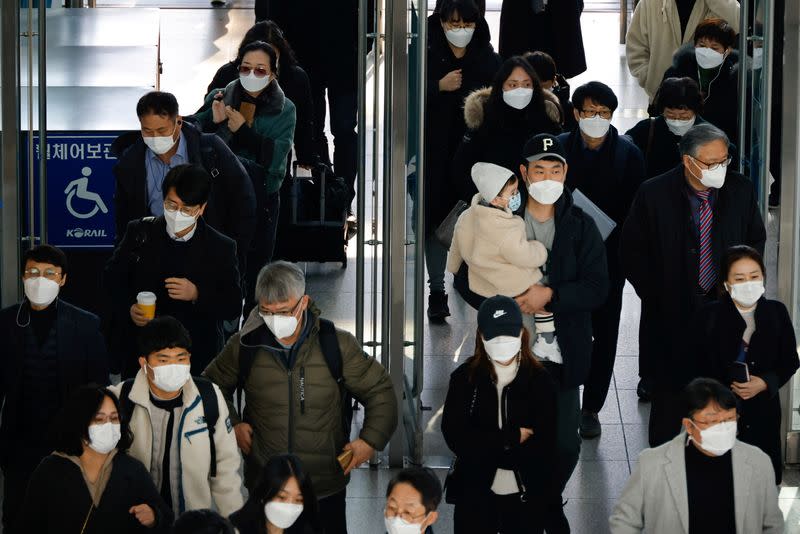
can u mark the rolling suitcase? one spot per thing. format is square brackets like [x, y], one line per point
[313, 218]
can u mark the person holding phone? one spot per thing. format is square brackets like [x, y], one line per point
[747, 341]
[500, 421]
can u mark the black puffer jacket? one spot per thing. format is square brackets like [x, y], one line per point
[444, 120]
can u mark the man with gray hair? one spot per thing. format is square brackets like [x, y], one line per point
[679, 227]
[298, 374]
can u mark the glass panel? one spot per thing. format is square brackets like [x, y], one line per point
[759, 91]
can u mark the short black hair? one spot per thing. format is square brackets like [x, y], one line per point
[46, 254]
[597, 92]
[715, 29]
[543, 63]
[269, 32]
[261, 46]
[703, 391]
[279, 469]
[71, 426]
[161, 333]
[466, 9]
[202, 522]
[739, 252]
[157, 103]
[192, 184]
[680, 93]
[422, 479]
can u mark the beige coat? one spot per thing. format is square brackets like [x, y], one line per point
[495, 246]
[655, 34]
[655, 499]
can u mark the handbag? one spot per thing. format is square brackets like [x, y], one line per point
[453, 483]
[444, 232]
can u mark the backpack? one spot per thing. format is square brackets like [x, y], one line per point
[210, 409]
[333, 358]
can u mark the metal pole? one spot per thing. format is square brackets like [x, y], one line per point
[362, 166]
[376, 85]
[9, 101]
[745, 105]
[766, 110]
[42, 120]
[31, 233]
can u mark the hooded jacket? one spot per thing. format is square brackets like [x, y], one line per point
[499, 139]
[294, 404]
[196, 490]
[655, 34]
[268, 141]
[493, 243]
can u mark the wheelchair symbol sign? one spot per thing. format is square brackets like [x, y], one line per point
[79, 188]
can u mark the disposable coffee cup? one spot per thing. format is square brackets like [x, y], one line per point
[147, 303]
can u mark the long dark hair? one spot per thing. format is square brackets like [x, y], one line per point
[734, 254]
[497, 108]
[481, 362]
[269, 32]
[278, 470]
[71, 427]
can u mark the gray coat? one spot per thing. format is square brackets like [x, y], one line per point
[655, 499]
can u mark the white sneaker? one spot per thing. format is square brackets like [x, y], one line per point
[547, 351]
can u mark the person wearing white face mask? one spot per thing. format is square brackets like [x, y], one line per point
[704, 479]
[608, 169]
[89, 484]
[679, 228]
[283, 501]
[187, 264]
[748, 341]
[180, 423]
[412, 501]
[51, 347]
[499, 419]
[296, 372]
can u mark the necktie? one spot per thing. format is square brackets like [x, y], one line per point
[707, 275]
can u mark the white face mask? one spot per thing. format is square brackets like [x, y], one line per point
[595, 127]
[281, 326]
[503, 348]
[41, 291]
[518, 98]
[718, 439]
[103, 438]
[746, 293]
[161, 145]
[459, 38]
[396, 525]
[679, 127]
[714, 179]
[177, 222]
[708, 58]
[282, 514]
[546, 191]
[171, 377]
[253, 83]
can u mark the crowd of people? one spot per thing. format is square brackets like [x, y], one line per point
[234, 412]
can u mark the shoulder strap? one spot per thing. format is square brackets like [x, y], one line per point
[331, 350]
[247, 356]
[211, 412]
[209, 156]
[125, 404]
[650, 133]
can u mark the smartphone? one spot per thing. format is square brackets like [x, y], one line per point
[344, 459]
[740, 372]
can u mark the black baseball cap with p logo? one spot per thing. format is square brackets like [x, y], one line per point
[543, 146]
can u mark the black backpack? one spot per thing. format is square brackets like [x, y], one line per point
[210, 408]
[333, 358]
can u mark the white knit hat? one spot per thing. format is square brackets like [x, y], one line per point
[490, 179]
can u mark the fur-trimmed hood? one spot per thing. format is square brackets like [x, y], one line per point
[475, 107]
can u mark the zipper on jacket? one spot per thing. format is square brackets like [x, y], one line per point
[302, 390]
[291, 410]
[504, 407]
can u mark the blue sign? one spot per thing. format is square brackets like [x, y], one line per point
[80, 189]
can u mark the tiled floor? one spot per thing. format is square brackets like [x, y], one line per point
[196, 42]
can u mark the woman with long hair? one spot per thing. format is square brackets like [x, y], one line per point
[500, 421]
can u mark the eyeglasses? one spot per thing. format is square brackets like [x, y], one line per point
[103, 419]
[290, 313]
[459, 25]
[715, 166]
[49, 273]
[706, 424]
[260, 71]
[189, 211]
[590, 113]
[405, 516]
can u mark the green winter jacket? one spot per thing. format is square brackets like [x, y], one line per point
[268, 141]
[307, 425]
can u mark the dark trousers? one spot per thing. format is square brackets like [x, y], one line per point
[667, 409]
[507, 514]
[15, 485]
[333, 513]
[605, 329]
[343, 105]
[262, 247]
